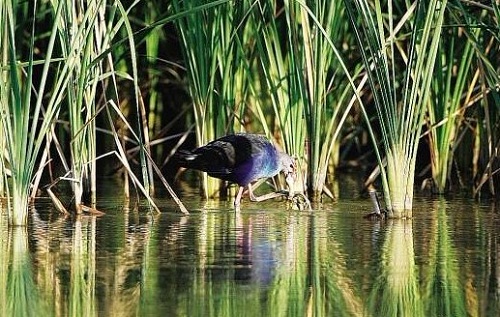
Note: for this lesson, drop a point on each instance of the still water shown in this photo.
(263, 261)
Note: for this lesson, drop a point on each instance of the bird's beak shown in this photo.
(290, 181)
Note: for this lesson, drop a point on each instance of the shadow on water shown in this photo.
(263, 261)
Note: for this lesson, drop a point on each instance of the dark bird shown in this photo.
(241, 158)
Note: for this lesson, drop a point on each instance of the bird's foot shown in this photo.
(267, 196)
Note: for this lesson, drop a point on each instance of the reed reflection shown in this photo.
(19, 295)
(82, 298)
(442, 291)
(263, 265)
(396, 291)
(257, 263)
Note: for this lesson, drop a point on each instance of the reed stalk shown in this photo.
(214, 57)
(400, 108)
(24, 123)
(484, 18)
(308, 83)
(285, 89)
(81, 41)
(155, 103)
(451, 88)
(327, 88)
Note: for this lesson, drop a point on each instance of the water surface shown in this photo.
(264, 261)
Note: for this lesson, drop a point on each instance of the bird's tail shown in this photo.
(186, 158)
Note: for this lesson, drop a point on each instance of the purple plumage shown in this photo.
(240, 158)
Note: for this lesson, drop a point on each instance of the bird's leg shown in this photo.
(264, 197)
(237, 200)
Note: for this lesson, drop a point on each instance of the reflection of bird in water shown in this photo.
(241, 158)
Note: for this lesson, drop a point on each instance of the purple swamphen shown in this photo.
(241, 158)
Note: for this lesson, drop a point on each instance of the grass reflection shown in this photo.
(396, 292)
(4, 260)
(256, 263)
(19, 294)
(82, 300)
(442, 290)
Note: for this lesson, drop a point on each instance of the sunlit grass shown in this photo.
(25, 124)
(400, 108)
(308, 83)
(215, 60)
(451, 89)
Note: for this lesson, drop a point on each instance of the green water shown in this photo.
(264, 261)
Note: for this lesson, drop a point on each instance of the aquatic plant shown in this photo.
(283, 91)
(307, 85)
(210, 33)
(482, 26)
(400, 108)
(81, 42)
(80, 82)
(449, 99)
(465, 84)
(25, 123)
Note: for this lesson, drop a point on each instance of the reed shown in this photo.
(153, 40)
(464, 86)
(451, 90)
(81, 81)
(306, 83)
(282, 88)
(81, 41)
(327, 88)
(482, 26)
(211, 33)
(25, 124)
(400, 108)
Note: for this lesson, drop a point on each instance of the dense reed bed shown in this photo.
(127, 82)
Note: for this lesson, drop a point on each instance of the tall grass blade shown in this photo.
(215, 60)
(447, 104)
(24, 125)
(400, 109)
